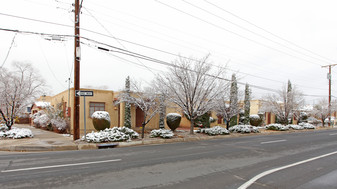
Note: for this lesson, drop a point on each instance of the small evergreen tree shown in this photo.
(162, 112)
(247, 104)
(233, 100)
(127, 112)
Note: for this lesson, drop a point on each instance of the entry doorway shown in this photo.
(139, 117)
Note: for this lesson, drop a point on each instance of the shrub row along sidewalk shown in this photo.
(49, 141)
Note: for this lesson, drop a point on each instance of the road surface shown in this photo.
(288, 160)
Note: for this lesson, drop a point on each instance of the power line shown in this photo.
(292, 43)
(9, 50)
(35, 20)
(234, 33)
(126, 52)
(255, 33)
(48, 22)
(113, 35)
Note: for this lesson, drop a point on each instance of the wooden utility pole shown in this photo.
(77, 57)
(329, 78)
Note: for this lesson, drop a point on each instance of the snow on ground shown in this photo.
(15, 133)
(115, 134)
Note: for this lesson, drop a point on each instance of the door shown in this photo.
(139, 117)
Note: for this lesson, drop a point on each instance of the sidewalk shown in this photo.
(49, 141)
(42, 141)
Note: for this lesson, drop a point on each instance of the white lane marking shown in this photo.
(56, 166)
(333, 134)
(252, 180)
(274, 141)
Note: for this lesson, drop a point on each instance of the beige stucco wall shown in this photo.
(117, 111)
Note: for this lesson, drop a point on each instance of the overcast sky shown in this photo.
(266, 42)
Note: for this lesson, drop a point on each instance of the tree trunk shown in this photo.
(8, 122)
(143, 129)
(192, 127)
(227, 124)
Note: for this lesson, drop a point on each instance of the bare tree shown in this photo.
(193, 86)
(144, 98)
(284, 103)
(321, 109)
(18, 88)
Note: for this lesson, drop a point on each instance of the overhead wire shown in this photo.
(236, 34)
(9, 50)
(126, 52)
(113, 36)
(255, 33)
(233, 60)
(144, 57)
(64, 25)
(277, 36)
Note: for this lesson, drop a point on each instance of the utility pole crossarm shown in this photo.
(329, 65)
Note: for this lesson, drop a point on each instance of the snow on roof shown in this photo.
(42, 104)
(307, 107)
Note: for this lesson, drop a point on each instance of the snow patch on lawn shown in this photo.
(15, 133)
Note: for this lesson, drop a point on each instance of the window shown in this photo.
(96, 106)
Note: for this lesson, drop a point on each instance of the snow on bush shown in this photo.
(163, 133)
(277, 127)
(307, 126)
(59, 123)
(243, 129)
(15, 133)
(217, 130)
(115, 134)
(296, 127)
(101, 115)
(41, 119)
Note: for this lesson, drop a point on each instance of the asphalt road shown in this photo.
(296, 160)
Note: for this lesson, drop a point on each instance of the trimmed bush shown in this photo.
(277, 127)
(217, 130)
(163, 133)
(173, 120)
(296, 127)
(307, 126)
(244, 129)
(15, 133)
(101, 120)
(255, 120)
(115, 134)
